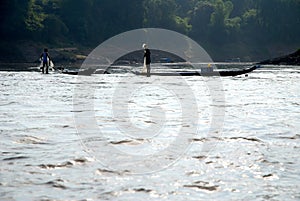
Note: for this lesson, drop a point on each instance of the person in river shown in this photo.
(147, 59)
(45, 58)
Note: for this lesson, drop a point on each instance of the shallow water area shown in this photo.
(254, 156)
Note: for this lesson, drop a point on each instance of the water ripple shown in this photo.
(255, 157)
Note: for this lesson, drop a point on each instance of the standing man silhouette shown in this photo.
(147, 59)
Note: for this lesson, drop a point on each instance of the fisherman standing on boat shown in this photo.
(147, 59)
(45, 58)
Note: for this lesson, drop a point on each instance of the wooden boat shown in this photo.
(199, 73)
(179, 73)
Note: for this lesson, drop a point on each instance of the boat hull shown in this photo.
(182, 73)
(198, 73)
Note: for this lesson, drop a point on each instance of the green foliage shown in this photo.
(164, 14)
(233, 23)
(35, 16)
(249, 15)
(159, 13)
(89, 22)
(221, 13)
(182, 24)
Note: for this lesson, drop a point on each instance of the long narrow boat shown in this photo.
(198, 73)
(179, 73)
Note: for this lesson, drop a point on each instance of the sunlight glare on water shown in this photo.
(256, 157)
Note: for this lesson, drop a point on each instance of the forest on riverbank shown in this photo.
(248, 29)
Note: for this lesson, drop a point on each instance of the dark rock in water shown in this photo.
(202, 186)
(15, 158)
(291, 59)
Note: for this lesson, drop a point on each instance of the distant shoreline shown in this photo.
(26, 54)
(290, 59)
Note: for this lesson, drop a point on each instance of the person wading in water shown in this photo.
(46, 61)
(147, 59)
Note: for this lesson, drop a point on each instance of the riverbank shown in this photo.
(290, 59)
(29, 52)
(67, 55)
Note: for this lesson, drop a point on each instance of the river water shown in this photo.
(50, 150)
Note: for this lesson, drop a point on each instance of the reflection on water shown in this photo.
(256, 157)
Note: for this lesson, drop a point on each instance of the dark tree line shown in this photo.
(210, 22)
